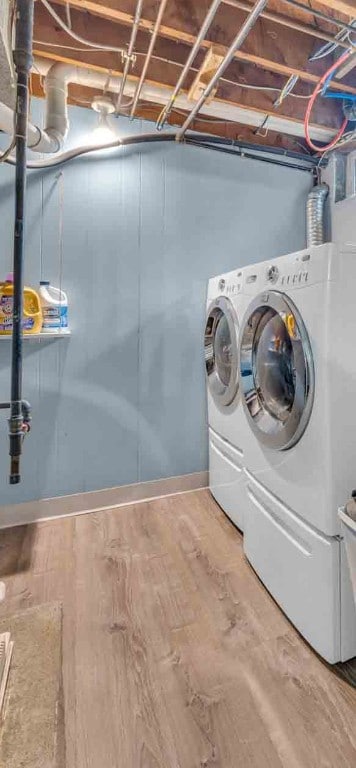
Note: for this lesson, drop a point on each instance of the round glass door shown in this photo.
(221, 352)
(276, 370)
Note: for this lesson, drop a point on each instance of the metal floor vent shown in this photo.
(6, 648)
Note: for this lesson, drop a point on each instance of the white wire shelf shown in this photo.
(49, 335)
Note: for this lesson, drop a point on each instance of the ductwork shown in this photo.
(316, 215)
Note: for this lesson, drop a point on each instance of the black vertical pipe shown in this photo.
(23, 64)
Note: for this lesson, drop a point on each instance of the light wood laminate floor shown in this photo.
(175, 656)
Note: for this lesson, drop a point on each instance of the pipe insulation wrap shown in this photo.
(316, 215)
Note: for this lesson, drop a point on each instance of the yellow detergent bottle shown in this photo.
(32, 313)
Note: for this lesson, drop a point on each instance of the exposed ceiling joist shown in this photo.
(348, 7)
(149, 111)
(252, 91)
(286, 58)
(287, 21)
(167, 63)
(263, 101)
(262, 120)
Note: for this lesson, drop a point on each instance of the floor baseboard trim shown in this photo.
(99, 501)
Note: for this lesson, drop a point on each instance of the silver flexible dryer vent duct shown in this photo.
(316, 215)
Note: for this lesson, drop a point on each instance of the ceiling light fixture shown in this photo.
(103, 133)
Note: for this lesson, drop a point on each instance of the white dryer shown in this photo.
(298, 387)
(227, 421)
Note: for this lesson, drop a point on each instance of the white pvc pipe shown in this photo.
(56, 90)
(57, 76)
(159, 94)
(51, 139)
(38, 140)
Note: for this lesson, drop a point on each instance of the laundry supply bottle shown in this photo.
(54, 305)
(32, 313)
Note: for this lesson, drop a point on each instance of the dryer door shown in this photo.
(276, 370)
(220, 343)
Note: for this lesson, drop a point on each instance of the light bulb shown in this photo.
(104, 133)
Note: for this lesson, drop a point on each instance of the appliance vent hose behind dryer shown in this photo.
(316, 215)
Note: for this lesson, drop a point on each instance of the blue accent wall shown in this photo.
(132, 238)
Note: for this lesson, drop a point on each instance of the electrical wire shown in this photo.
(325, 79)
(247, 86)
(286, 90)
(73, 34)
(320, 14)
(203, 139)
(68, 15)
(329, 48)
(5, 155)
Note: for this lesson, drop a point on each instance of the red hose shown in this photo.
(321, 82)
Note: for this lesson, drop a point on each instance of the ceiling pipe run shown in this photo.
(130, 52)
(50, 139)
(56, 90)
(161, 10)
(196, 47)
(160, 95)
(240, 38)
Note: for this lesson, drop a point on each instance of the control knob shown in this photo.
(272, 274)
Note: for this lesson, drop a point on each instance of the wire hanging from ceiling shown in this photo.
(329, 48)
(323, 82)
(73, 34)
(320, 14)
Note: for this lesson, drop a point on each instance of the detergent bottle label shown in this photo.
(6, 316)
(6, 311)
(55, 317)
(28, 323)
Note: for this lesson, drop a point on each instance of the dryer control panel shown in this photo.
(286, 273)
(229, 285)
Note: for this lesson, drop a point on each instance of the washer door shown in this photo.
(221, 361)
(276, 369)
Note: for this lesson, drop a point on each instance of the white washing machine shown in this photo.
(227, 421)
(298, 388)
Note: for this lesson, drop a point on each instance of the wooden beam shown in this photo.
(207, 70)
(166, 68)
(261, 39)
(81, 97)
(348, 7)
(289, 21)
(264, 113)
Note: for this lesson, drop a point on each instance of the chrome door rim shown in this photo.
(222, 394)
(285, 433)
